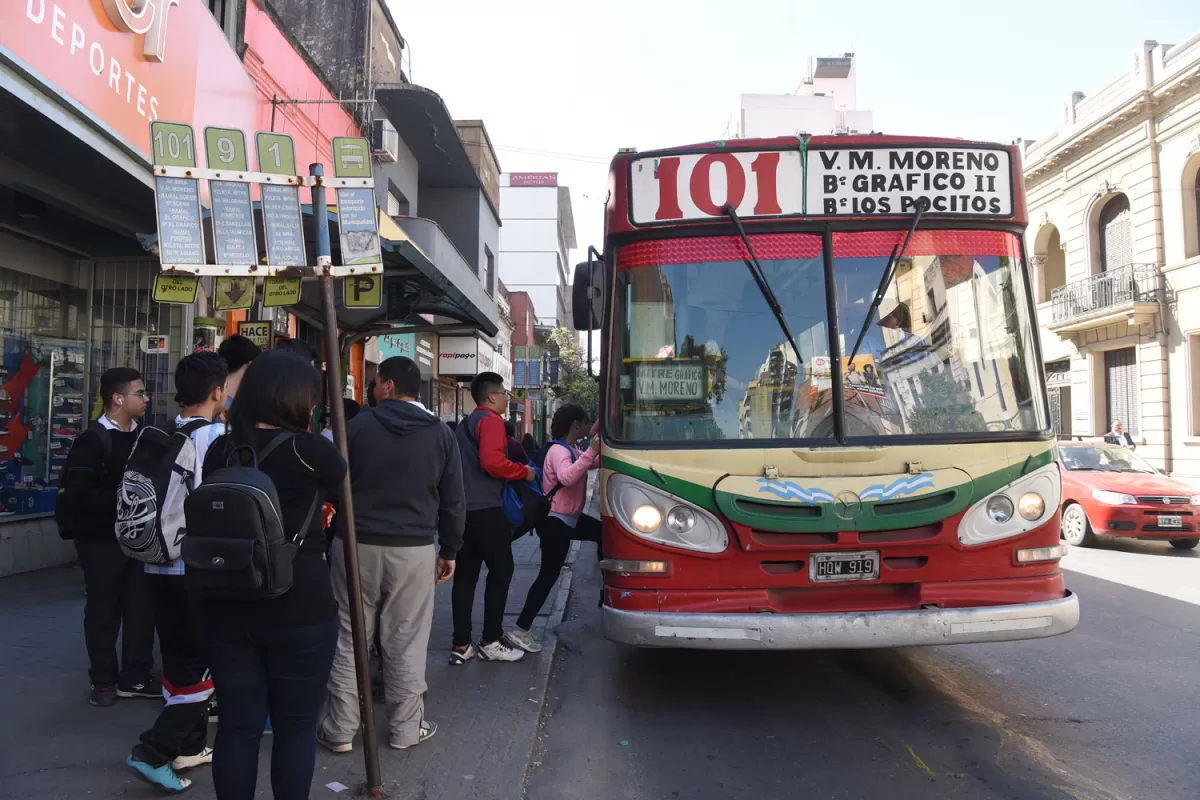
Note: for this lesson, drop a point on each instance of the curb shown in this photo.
(557, 612)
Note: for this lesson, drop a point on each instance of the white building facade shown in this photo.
(825, 102)
(1114, 243)
(536, 238)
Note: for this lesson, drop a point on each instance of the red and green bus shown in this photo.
(824, 416)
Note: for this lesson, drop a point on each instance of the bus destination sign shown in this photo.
(866, 182)
(859, 182)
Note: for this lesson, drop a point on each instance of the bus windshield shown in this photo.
(697, 354)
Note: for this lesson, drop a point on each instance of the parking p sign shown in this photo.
(257, 331)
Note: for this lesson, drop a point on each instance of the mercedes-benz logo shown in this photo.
(846, 505)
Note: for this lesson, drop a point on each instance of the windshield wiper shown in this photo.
(761, 280)
(886, 278)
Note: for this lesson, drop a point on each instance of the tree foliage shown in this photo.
(574, 383)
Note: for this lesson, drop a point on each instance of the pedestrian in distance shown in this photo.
(487, 537)
(514, 449)
(117, 601)
(529, 443)
(566, 467)
(350, 408)
(178, 739)
(271, 656)
(406, 481)
(237, 352)
(1118, 436)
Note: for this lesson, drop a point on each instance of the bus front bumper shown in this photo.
(850, 630)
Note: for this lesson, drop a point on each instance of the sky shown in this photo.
(562, 85)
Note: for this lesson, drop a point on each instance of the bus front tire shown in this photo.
(1076, 530)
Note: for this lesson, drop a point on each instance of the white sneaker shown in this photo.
(499, 651)
(524, 640)
(205, 756)
(461, 655)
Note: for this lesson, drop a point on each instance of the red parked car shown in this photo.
(1111, 490)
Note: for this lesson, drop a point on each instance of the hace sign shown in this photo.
(130, 62)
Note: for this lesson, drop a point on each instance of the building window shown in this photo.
(1116, 234)
(1194, 383)
(393, 205)
(1121, 389)
(225, 12)
(489, 275)
(1058, 387)
(44, 398)
(1196, 210)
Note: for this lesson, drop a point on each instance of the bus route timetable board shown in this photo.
(970, 181)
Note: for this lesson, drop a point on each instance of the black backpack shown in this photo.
(236, 546)
(66, 515)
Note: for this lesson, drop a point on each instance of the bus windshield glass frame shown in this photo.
(697, 359)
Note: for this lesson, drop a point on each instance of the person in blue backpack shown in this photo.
(566, 467)
(487, 537)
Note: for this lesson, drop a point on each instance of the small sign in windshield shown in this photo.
(670, 382)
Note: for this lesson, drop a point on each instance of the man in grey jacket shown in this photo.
(407, 486)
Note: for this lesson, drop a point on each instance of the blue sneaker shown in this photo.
(268, 730)
(163, 777)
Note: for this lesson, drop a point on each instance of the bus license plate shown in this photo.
(830, 567)
(1170, 522)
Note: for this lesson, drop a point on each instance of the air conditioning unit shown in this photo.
(384, 140)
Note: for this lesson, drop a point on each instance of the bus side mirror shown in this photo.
(587, 296)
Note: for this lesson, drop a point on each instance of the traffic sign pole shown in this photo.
(333, 374)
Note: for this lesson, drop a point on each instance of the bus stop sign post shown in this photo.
(333, 374)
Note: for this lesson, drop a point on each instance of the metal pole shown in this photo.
(333, 375)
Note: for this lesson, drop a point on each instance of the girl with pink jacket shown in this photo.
(566, 467)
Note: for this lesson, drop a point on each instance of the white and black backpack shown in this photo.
(157, 479)
(236, 545)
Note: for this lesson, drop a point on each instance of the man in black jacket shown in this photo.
(116, 584)
(407, 487)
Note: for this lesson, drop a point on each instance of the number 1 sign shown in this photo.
(280, 204)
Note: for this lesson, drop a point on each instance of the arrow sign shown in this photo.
(233, 293)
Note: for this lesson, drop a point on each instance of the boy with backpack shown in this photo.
(163, 468)
(487, 538)
(86, 512)
(564, 479)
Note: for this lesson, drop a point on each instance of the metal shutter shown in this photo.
(1121, 388)
(1116, 234)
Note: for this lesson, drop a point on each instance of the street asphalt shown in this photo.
(1107, 712)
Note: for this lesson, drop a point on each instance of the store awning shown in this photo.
(415, 281)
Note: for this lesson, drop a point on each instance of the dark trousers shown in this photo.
(280, 671)
(116, 603)
(182, 726)
(486, 540)
(556, 537)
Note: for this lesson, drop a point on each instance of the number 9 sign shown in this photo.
(226, 149)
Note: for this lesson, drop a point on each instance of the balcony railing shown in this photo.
(1107, 292)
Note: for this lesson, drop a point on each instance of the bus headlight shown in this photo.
(1031, 506)
(646, 519)
(643, 509)
(996, 517)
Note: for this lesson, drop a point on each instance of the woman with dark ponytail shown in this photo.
(272, 656)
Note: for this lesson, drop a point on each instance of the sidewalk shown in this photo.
(54, 745)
